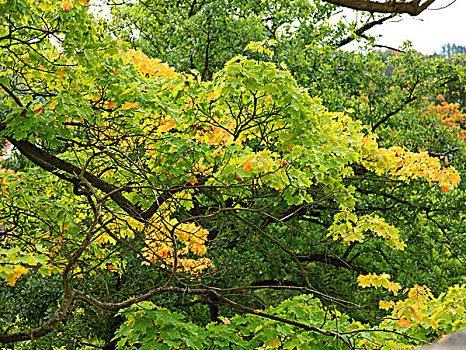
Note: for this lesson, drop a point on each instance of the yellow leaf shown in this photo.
(211, 96)
(167, 126)
(273, 343)
(247, 165)
(17, 272)
(393, 344)
(129, 105)
(394, 287)
(365, 280)
(385, 305)
(53, 105)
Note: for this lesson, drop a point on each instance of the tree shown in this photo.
(178, 197)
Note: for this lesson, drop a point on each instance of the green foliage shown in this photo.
(269, 191)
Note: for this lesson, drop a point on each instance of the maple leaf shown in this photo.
(385, 305)
(129, 105)
(394, 287)
(376, 281)
(364, 280)
(273, 343)
(167, 125)
(247, 165)
(403, 322)
(13, 276)
(66, 5)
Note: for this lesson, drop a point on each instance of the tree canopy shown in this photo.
(222, 175)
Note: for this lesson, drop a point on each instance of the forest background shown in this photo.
(223, 175)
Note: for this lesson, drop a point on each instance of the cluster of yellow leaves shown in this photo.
(194, 266)
(167, 240)
(213, 134)
(400, 163)
(261, 46)
(350, 228)
(383, 280)
(413, 309)
(164, 235)
(420, 309)
(129, 105)
(160, 244)
(151, 66)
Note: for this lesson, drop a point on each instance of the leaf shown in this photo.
(273, 343)
(66, 5)
(225, 320)
(129, 105)
(247, 166)
(385, 305)
(45, 271)
(17, 272)
(403, 322)
(53, 105)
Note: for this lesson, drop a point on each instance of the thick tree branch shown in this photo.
(51, 163)
(12, 95)
(46, 328)
(412, 8)
(68, 295)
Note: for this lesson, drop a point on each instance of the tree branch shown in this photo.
(51, 163)
(412, 8)
(46, 328)
(330, 260)
(360, 32)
